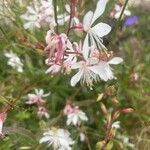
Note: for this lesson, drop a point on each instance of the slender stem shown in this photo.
(55, 14)
(71, 11)
(124, 7)
(119, 20)
(7, 39)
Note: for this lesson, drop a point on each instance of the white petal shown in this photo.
(75, 119)
(127, 12)
(67, 7)
(76, 78)
(87, 20)
(100, 8)
(41, 92)
(47, 94)
(28, 25)
(115, 60)
(101, 29)
(100, 70)
(45, 139)
(69, 120)
(86, 49)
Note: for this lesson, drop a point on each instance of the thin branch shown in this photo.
(55, 14)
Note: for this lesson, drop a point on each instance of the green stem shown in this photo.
(124, 7)
(4, 33)
(55, 14)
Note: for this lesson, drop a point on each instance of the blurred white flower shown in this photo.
(14, 61)
(126, 141)
(39, 13)
(96, 32)
(76, 117)
(116, 124)
(62, 18)
(59, 139)
(117, 12)
(37, 97)
(82, 137)
(42, 112)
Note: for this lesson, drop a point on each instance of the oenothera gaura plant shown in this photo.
(78, 52)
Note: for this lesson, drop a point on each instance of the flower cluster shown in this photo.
(90, 57)
(37, 100)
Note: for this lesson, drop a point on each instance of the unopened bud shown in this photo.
(100, 96)
(127, 110)
(115, 100)
(116, 115)
(104, 110)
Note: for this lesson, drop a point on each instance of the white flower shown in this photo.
(104, 70)
(40, 92)
(118, 10)
(59, 139)
(14, 61)
(38, 14)
(116, 124)
(85, 74)
(31, 17)
(96, 32)
(76, 117)
(37, 97)
(93, 69)
(82, 137)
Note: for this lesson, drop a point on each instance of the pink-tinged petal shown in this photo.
(115, 61)
(76, 78)
(54, 69)
(2, 120)
(86, 48)
(87, 20)
(100, 8)
(1, 127)
(101, 29)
